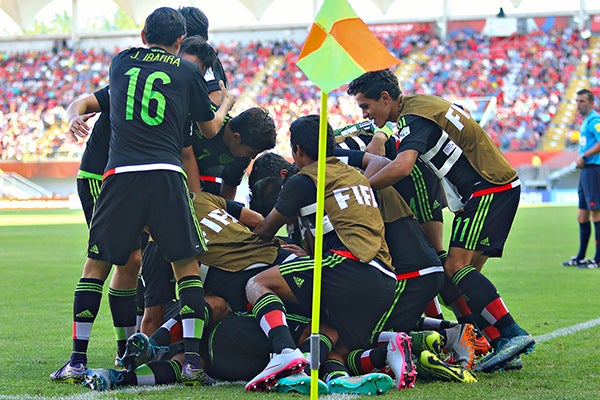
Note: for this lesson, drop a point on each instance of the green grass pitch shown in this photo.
(42, 254)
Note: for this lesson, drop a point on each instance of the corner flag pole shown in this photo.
(318, 253)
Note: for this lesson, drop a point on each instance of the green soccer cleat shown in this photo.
(368, 384)
(430, 366)
(426, 340)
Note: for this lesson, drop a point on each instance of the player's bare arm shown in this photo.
(397, 169)
(78, 114)
(210, 128)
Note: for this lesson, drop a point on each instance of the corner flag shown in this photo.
(340, 47)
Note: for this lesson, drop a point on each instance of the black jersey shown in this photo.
(215, 162)
(95, 155)
(153, 95)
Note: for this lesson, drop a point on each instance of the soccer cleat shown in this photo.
(426, 340)
(138, 351)
(513, 364)
(482, 346)
(70, 373)
(102, 379)
(575, 262)
(591, 264)
(299, 383)
(399, 358)
(193, 376)
(281, 365)
(460, 342)
(507, 349)
(430, 366)
(368, 384)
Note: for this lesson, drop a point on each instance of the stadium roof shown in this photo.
(238, 13)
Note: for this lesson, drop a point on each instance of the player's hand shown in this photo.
(78, 127)
(227, 99)
(297, 250)
(377, 144)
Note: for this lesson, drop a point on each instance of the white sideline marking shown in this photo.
(567, 331)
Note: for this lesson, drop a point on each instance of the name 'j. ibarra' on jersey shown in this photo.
(158, 57)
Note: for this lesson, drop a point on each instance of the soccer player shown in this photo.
(196, 24)
(153, 93)
(358, 282)
(481, 187)
(234, 341)
(122, 288)
(589, 180)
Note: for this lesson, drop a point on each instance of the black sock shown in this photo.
(86, 304)
(585, 230)
(191, 298)
(270, 312)
(123, 304)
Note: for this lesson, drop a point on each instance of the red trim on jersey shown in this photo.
(421, 272)
(207, 178)
(496, 189)
(345, 253)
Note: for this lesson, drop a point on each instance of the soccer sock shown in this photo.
(86, 304)
(270, 312)
(332, 369)
(140, 303)
(433, 324)
(433, 309)
(193, 316)
(157, 373)
(325, 346)
(483, 297)
(443, 256)
(597, 241)
(162, 336)
(123, 303)
(585, 230)
(453, 298)
(366, 361)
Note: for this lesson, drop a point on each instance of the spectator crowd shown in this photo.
(527, 74)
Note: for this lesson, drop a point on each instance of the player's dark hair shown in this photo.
(196, 21)
(264, 194)
(371, 84)
(588, 93)
(164, 26)
(304, 132)
(255, 127)
(197, 46)
(267, 165)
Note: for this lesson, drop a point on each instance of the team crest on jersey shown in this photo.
(225, 159)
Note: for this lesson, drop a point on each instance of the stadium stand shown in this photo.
(532, 77)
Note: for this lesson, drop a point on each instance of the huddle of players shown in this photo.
(402, 268)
